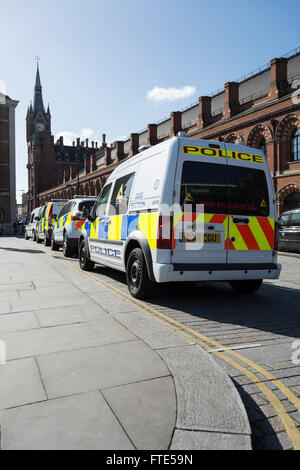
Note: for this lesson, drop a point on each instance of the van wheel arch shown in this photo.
(144, 245)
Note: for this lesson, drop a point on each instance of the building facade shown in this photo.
(8, 206)
(261, 110)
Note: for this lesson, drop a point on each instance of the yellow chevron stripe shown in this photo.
(239, 243)
(259, 234)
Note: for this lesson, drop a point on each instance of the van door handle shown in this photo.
(236, 220)
(108, 222)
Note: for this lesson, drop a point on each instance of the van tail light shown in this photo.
(276, 235)
(165, 226)
(77, 215)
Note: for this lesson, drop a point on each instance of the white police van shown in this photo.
(186, 210)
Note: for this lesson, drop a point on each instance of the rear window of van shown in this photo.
(224, 189)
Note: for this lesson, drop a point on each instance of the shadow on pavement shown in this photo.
(22, 251)
(273, 308)
(262, 433)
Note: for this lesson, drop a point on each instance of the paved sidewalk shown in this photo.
(87, 370)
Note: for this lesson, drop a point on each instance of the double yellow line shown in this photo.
(205, 342)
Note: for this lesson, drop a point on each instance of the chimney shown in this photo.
(93, 164)
(61, 140)
(107, 156)
(134, 144)
(152, 134)
(103, 140)
(96, 143)
(82, 143)
(78, 142)
(175, 123)
(86, 142)
(119, 150)
(73, 143)
(93, 144)
(279, 84)
(86, 165)
(204, 111)
(231, 99)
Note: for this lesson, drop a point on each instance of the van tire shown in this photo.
(84, 261)
(246, 287)
(67, 250)
(46, 239)
(138, 282)
(54, 246)
(38, 240)
(26, 236)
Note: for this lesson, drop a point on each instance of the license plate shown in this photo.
(192, 237)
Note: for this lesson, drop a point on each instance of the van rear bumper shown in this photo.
(215, 272)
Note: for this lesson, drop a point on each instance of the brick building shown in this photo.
(260, 110)
(8, 208)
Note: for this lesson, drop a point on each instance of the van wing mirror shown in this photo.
(37, 218)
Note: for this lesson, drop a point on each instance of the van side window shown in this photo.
(121, 194)
(283, 221)
(295, 220)
(65, 209)
(101, 203)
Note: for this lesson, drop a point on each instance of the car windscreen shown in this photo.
(86, 205)
(224, 189)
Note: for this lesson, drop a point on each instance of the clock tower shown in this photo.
(41, 156)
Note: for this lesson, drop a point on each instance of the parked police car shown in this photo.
(186, 210)
(68, 225)
(49, 212)
(31, 227)
(289, 231)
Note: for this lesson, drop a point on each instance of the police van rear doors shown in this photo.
(250, 205)
(200, 220)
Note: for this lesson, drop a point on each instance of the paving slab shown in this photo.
(20, 383)
(100, 367)
(147, 411)
(87, 312)
(154, 333)
(201, 440)
(62, 338)
(13, 322)
(201, 386)
(81, 422)
(112, 303)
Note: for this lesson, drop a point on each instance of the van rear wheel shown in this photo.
(246, 287)
(138, 281)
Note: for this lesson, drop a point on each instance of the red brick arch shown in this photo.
(255, 135)
(284, 192)
(286, 127)
(234, 138)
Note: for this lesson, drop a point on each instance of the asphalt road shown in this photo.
(251, 336)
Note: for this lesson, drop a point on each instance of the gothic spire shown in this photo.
(38, 105)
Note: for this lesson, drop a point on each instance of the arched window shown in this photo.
(263, 145)
(295, 145)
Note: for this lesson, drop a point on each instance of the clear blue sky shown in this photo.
(100, 58)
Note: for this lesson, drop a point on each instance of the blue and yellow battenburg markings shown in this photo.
(122, 225)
